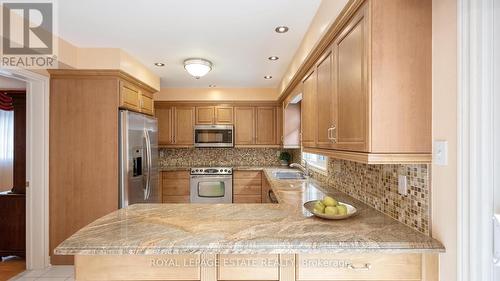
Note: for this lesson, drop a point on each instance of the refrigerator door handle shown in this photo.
(146, 188)
(150, 165)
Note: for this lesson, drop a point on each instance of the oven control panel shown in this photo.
(212, 171)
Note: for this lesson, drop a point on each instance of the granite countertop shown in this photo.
(147, 229)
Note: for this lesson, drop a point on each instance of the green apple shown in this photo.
(342, 209)
(329, 201)
(319, 205)
(331, 210)
(319, 210)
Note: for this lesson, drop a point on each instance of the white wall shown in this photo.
(444, 127)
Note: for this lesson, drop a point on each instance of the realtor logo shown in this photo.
(27, 35)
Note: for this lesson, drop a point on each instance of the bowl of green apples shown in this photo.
(331, 209)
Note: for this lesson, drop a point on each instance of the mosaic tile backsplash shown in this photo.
(195, 157)
(377, 186)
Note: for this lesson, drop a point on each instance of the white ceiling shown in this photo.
(236, 35)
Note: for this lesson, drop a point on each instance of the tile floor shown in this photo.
(53, 273)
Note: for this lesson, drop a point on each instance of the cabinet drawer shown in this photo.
(247, 199)
(248, 267)
(135, 267)
(359, 267)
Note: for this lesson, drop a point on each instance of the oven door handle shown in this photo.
(203, 178)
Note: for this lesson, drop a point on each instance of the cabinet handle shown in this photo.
(363, 267)
(334, 135)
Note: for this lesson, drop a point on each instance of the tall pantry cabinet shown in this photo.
(83, 144)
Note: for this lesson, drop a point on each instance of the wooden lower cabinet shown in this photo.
(247, 187)
(248, 267)
(279, 267)
(175, 187)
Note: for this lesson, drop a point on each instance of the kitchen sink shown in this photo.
(289, 175)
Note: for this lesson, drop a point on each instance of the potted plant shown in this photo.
(285, 158)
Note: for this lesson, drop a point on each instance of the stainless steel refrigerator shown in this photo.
(139, 175)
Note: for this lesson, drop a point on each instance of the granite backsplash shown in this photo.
(195, 157)
(377, 186)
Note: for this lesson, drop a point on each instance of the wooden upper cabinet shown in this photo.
(325, 102)
(134, 98)
(184, 119)
(244, 125)
(205, 115)
(130, 96)
(257, 125)
(224, 115)
(308, 107)
(219, 115)
(165, 125)
(351, 85)
(266, 130)
(147, 104)
(373, 96)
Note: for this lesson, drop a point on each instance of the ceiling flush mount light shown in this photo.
(281, 29)
(268, 77)
(197, 67)
(273, 58)
(212, 85)
(159, 64)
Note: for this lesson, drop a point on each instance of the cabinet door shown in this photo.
(324, 105)
(147, 104)
(309, 114)
(244, 125)
(205, 115)
(266, 125)
(165, 122)
(184, 125)
(224, 115)
(130, 96)
(351, 85)
(175, 187)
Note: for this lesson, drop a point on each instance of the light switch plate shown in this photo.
(402, 185)
(440, 153)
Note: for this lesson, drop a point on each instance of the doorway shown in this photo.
(36, 164)
(12, 177)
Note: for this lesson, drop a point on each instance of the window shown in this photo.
(6, 135)
(315, 160)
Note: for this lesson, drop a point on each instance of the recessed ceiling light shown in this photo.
(281, 29)
(268, 77)
(212, 85)
(273, 58)
(159, 64)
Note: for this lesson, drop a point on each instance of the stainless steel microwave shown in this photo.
(213, 136)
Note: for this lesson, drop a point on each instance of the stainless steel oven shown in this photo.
(213, 136)
(211, 185)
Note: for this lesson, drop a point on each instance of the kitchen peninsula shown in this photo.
(251, 242)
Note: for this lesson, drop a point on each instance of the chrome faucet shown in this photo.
(304, 168)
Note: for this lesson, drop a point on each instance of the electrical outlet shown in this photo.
(402, 185)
